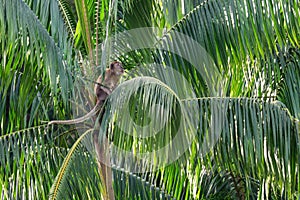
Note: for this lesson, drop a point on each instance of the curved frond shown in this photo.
(256, 141)
(59, 187)
(31, 62)
(244, 39)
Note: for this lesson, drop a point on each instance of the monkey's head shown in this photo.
(117, 68)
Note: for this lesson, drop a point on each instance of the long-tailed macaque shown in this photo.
(103, 88)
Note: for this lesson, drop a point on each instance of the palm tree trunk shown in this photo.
(103, 159)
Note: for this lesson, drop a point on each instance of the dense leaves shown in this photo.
(209, 108)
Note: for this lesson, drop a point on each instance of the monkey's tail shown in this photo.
(80, 119)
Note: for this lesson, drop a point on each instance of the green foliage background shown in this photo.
(50, 49)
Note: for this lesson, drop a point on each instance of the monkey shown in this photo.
(110, 81)
(103, 87)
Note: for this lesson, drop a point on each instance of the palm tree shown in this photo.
(209, 107)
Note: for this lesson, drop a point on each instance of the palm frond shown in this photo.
(29, 157)
(32, 60)
(253, 139)
(69, 16)
(64, 186)
(52, 21)
(219, 121)
(225, 29)
(132, 186)
(84, 12)
(289, 86)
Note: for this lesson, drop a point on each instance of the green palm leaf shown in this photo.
(215, 118)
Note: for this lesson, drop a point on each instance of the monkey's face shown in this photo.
(117, 68)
